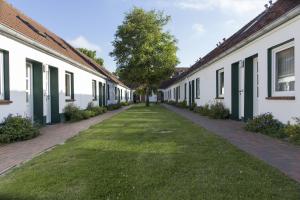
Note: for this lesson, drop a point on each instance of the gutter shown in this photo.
(12, 34)
(283, 19)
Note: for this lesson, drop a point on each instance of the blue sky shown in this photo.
(197, 24)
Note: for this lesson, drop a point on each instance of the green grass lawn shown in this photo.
(147, 153)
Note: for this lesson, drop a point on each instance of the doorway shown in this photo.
(54, 95)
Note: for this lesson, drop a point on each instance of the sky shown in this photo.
(198, 25)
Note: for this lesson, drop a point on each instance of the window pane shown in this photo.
(285, 71)
(68, 86)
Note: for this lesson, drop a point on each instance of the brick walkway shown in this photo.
(12, 155)
(279, 154)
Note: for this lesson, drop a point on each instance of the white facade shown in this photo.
(20, 53)
(283, 106)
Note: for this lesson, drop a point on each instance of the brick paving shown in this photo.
(279, 154)
(12, 155)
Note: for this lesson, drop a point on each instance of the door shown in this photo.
(235, 91)
(104, 95)
(255, 87)
(100, 94)
(37, 83)
(28, 85)
(241, 89)
(190, 94)
(54, 96)
(251, 87)
(193, 91)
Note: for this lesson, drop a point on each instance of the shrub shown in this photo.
(193, 106)
(114, 106)
(17, 128)
(72, 113)
(203, 110)
(218, 111)
(124, 104)
(293, 132)
(182, 104)
(97, 110)
(266, 124)
(86, 114)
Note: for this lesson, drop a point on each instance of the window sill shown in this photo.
(219, 97)
(290, 98)
(70, 100)
(5, 102)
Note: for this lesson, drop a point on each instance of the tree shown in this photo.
(145, 54)
(92, 54)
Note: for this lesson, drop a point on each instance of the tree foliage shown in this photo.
(92, 54)
(144, 52)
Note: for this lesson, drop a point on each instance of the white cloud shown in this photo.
(236, 6)
(199, 28)
(82, 42)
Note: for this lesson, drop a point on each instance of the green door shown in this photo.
(235, 91)
(100, 94)
(193, 91)
(104, 95)
(248, 88)
(190, 94)
(37, 73)
(54, 96)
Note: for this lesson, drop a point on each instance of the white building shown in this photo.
(253, 72)
(40, 73)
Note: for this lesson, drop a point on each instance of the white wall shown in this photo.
(18, 53)
(283, 110)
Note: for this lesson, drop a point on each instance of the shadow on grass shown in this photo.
(9, 197)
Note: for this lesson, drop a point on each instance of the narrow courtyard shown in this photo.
(146, 153)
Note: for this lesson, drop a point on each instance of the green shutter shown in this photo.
(104, 95)
(38, 107)
(6, 75)
(235, 91)
(72, 86)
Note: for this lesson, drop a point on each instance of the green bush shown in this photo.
(90, 106)
(293, 132)
(86, 114)
(72, 113)
(266, 124)
(182, 104)
(114, 106)
(97, 110)
(218, 111)
(125, 104)
(193, 106)
(203, 110)
(17, 128)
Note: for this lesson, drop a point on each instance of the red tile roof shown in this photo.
(271, 14)
(17, 21)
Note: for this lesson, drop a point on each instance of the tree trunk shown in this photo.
(147, 97)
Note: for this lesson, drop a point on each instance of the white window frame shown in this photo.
(220, 95)
(94, 90)
(1, 75)
(274, 52)
(70, 85)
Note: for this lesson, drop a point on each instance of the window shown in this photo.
(185, 87)
(1, 76)
(220, 83)
(283, 68)
(69, 85)
(198, 88)
(94, 90)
